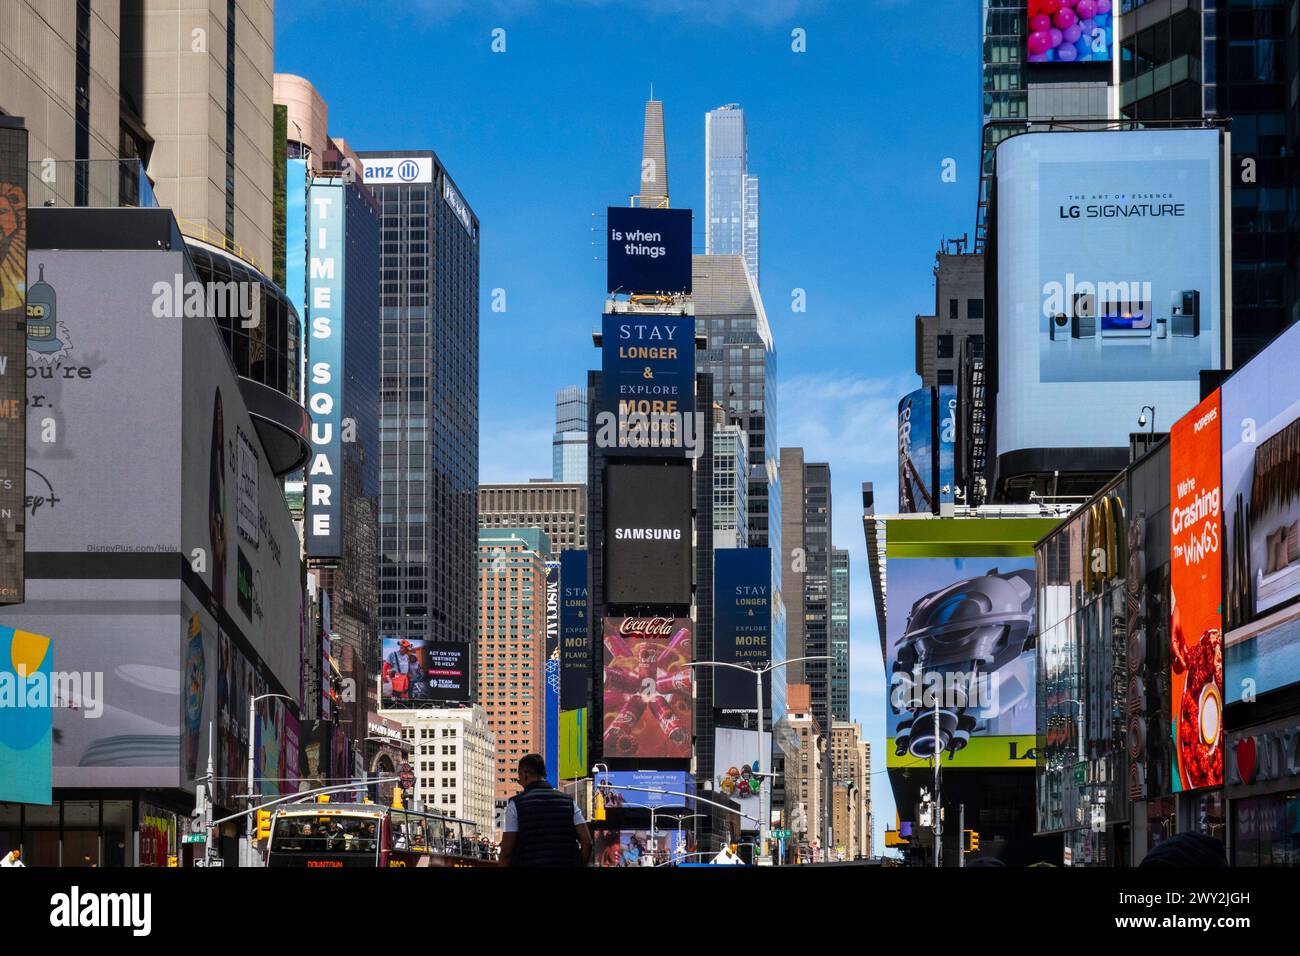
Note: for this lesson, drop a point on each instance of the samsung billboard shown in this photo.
(1109, 282)
(648, 533)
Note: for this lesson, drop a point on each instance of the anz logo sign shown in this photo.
(398, 170)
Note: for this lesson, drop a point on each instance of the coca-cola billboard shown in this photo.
(648, 696)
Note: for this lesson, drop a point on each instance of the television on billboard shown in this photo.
(742, 624)
(1196, 596)
(416, 672)
(648, 375)
(647, 687)
(916, 463)
(648, 250)
(961, 635)
(648, 533)
(1261, 504)
(1110, 262)
(1070, 31)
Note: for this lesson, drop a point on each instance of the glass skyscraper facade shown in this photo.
(569, 446)
(840, 634)
(730, 193)
(429, 272)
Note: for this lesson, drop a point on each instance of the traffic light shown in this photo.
(972, 840)
(263, 825)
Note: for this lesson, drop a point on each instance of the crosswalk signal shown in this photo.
(263, 825)
(972, 840)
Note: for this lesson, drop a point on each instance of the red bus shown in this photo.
(337, 835)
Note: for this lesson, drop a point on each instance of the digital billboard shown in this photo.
(18, 310)
(551, 697)
(575, 636)
(27, 692)
(416, 672)
(648, 250)
(1070, 31)
(647, 687)
(742, 624)
(1196, 593)
(648, 374)
(648, 533)
(624, 848)
(323, 528)
(657, 789)
(916, 462)
(573, 743)
(1261, 505)
(1110, 260)
(736, 769)
(961, 632)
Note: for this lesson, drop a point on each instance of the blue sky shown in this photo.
(848, 139)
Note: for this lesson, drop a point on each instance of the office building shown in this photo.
(806, 539)
(512, 645)
(428, 412)
(569, 446)
(207, 150)
(730, 192)
(730, 486)
(839, 634)
(559, 510)
(850, 787)
(453, 754)
(803, 772)
(1184, 61)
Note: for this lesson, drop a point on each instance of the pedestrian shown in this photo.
(543, 826)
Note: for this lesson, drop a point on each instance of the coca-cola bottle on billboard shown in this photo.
(678, 647)
(620, 734)
(677, 682)
(673, 729)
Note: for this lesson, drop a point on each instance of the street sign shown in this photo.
(194, 838)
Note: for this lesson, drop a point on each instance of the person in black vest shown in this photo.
(543, 827)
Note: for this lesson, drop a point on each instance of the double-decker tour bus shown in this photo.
(336, 835)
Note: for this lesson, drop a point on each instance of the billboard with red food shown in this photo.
(648, 697)
(1196, 586)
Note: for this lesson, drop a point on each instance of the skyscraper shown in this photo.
(806, 539)
(730, 192)
(559, 510)
(428, 399)
(840, 634)
(569, 461)
(512, 644)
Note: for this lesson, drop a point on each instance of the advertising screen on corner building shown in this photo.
(1110, 264)
(648, 533)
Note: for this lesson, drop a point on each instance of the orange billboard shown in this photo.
(1196, 586)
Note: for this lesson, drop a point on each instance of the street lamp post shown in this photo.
(252, 752)
(758, 673)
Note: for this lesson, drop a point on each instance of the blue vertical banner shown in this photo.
(27, 716)
(742, 625)
(575, 632)
(552, 716)
(323, 531)
(947, 433)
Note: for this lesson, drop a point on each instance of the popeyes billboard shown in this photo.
(1196, 586)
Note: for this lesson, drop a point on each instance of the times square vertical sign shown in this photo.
(325, 371)
(13, 356)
